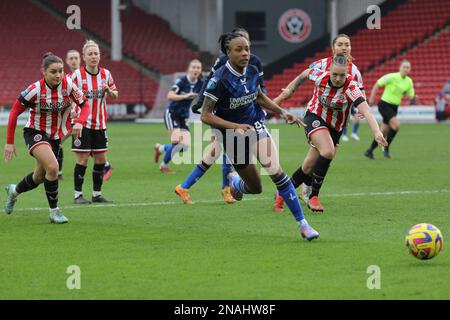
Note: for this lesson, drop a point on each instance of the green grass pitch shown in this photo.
(149, 245)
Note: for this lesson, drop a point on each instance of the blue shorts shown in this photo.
(173, 121)
(237, 146)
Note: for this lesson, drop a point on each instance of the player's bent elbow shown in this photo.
(206, 118)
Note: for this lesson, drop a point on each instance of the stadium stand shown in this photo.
(402, 36)
(40, 32)
(146, 37)
(428, 81)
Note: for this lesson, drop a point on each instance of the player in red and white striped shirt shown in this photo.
(96, 83)
(340, 45)
(327, 113)
(48, 99)
(73, 61)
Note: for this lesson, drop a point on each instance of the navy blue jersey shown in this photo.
(221, 60)
(182, 86)
(235, 94)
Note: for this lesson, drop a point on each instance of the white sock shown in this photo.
(302, 223)
(96, 193)
(54, 209)
(161, 148)
(163, 164)
(78, 193)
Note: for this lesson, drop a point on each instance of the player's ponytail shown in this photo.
(48, 58)
(88, 44)
(225, 40)
(242, 32)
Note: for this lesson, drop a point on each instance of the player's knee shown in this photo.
(328, 153)
(38, 177)
(83, 162)
(52, 168)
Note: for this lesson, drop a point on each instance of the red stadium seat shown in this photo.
(146, 37)
(40, 33)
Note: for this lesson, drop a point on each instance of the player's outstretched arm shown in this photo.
(172, 96)
(211, 119)
(267, 103)
(289, 91)
(364, 108)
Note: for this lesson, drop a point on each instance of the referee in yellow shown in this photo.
(395, 85)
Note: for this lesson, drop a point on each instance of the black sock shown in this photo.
(97, 176)
(299, 177)
(308, 180)
(203, 166)
(51, 190)
(373, 146)
(26, 184)
(60, 158)
(79, 176)
(319, 173)
(390, 136)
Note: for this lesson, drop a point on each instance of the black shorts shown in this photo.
(94, 141)
(315, 123)
(237, 146)
(34, 138)
(173, 121)
(387, 111)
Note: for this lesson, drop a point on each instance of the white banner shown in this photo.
(4, 115)
(411, 114)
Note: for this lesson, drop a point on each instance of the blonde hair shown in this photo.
(340, 59)
(88, 44)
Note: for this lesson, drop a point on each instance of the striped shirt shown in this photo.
(92, 86)
(330, 103)
(50, 107)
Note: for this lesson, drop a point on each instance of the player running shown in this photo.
(395, 85)
(327, 113)
(230, 107)
(176, 115)
(302, 177)
(97, 83)
(215, 148)
(48, 99)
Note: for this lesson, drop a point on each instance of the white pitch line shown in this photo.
(170, 203)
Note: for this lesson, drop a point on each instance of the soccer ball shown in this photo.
(424, 241)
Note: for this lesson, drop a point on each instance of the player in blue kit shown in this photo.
(214, 150)
(232, 105)
(176, 115)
